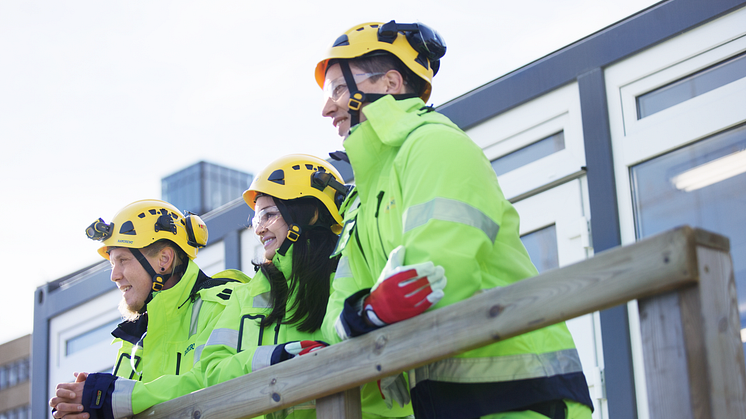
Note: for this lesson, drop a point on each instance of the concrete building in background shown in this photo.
(15, 372)
(203, 187)
(631, 131)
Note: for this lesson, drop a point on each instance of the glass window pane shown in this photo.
(91, 337)
(702, 185)
(542, 248)
(12, 374)
(530, 153)
(691, 86)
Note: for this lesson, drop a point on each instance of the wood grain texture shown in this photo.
(721, 334)
(344, 405)
(655, 265)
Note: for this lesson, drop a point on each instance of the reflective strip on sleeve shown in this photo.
(121, 398)
(194, 323)
(343, 268)
(262, 357)
(445, 209)
(224, 336)
(198, 353)
(262, 301)
(499, 368)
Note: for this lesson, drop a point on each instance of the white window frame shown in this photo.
(72, 323)
(569, 203)
(635, 141)
(549, 114)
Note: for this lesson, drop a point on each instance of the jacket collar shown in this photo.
(373, 142)
(179, 292)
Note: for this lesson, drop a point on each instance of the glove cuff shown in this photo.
(352, 315)
(96, 398)
(279, 354)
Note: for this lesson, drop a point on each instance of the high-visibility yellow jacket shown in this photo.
(238, 346)
(167, 340)
(421, 182)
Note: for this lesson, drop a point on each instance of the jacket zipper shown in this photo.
(378, 227)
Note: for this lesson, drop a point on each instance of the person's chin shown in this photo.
(128, 311)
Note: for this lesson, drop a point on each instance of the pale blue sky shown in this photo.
(100, 100)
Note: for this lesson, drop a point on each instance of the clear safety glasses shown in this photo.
(335, 89)
(265, 218)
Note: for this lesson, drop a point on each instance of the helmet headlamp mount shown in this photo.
(99, 230)
(423, 39)
(428, 45)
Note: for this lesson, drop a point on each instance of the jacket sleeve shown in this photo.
(451, 206)
(237, 344)
(141, 396)
(344, 288)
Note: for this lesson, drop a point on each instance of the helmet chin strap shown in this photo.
(159, 280)
(358, 98)
(294, 230)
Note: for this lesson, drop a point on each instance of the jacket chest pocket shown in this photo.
(387, 228)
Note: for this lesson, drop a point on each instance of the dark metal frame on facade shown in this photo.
(584, 62)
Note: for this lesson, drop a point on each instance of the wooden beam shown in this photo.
(694, 359)
(655, 265)
(344, 405)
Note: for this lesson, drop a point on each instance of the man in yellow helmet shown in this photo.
(169, 305)
(426, 207)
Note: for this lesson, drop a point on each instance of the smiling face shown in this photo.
(269, 225)
(337, 95)
(131, 279)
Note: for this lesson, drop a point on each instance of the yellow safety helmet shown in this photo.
(144, 222)
(297, 176)
(417, 46)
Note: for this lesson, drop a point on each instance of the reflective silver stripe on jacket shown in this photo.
(343, 268)
(194, 323)
(121, 398)
(262, 301)
(262, 357)
(499, 368)
(223, 336)
(445, 209)
(198, 353)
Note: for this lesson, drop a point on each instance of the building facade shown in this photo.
(633, 130)
(15, 384)
(203, 187)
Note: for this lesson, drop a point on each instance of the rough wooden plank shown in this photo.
(714, 241)
(661, 328)
(344, 405)
(722, 334)
(692, 348)
(654, 265)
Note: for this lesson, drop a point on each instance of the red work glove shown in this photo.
(290, 350)
(304, 347)
(403, 291)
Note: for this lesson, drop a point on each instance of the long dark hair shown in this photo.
(310, 276)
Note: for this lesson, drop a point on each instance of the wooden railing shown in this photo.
(690, 328)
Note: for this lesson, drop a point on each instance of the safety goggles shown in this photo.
(265, 218)
(335, 89)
